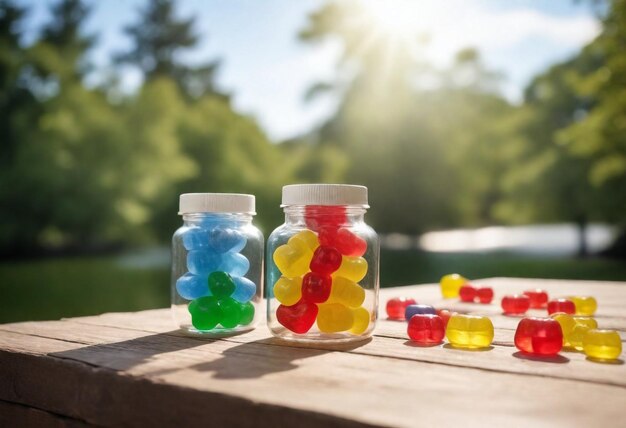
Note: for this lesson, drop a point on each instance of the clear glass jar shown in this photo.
(322, 266)
(217, 265)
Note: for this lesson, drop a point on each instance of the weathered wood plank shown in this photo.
(17, 415)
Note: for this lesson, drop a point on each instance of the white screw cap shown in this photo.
(324, 194)
(216, 203)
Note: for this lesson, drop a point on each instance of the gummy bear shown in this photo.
(334, 317)
(346, 292)
(298, 318)
(326, 260)
(352, 268)
(231, 312)
(190, 286)
(347, 242)
(205, 312)
(288, 291)
(316, 287)
(221, 284)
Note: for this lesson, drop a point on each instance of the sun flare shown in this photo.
(399, 18)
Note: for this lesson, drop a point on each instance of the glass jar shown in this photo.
(217, 265)
(322, 266)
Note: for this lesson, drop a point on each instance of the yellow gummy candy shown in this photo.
(346, 292)
(288, 290)
(602, 344)
(451, 284)
(576, 336)
(352, 268)
(469, 331)
(585, 305)
(305, 240)
(361, 321)
(292, 261)
(334, 317)
(567, 325)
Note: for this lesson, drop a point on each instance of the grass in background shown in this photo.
(56, 288)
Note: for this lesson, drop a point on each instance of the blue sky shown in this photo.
(268, 70)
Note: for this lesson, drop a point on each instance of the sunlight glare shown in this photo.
(399, 18)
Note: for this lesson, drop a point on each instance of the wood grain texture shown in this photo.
(127, 369)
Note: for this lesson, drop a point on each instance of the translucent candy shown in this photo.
(396, 307)
(411, 310)
(445, 315)
(223, 239)
(231, 312)
(316, 287)
(235, 264)
(361, 321)
(221, 284)
(585, 305)
(203, 262)
(467, 293)
(288, 291)
(574, 329)
(326, 260)
(247, 313)
(205, 312)
(318, 216)
(426, 329)
(352, 268)
(539, 336)
(244, 289)
(305, 240)
(292, 260)
(346, 292)
(190, 286)
(515, 304)
(602, 344)
(334, 317)
(469, 331)
(484, 295)
(561, 305)
(538, 298)
(451, 284)
(298, 318)
(195, 238)
(347, 242)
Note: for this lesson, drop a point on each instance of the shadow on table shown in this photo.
(558, 359)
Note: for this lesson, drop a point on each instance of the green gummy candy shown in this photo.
(205, 312)
(231, 312)
(247, 313)
(221, 284)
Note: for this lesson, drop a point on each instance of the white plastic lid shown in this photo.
(324, 194)
(216, 203)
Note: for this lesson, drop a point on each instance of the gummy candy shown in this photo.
(247, 313)
(352, 268)
(585, 305)
(191, 286)
(202, 262)
(602, 344)
(538, 298)
(334, 317)
(361, 321)
(244, 289)
(515, 304)
(539, 336)
(305, 240)
(574, 329)
(316, 287)
(205, 312)
(348, 243)
(485, 295)
(445, 315)
(235, 264)
(451, 284)
(222, 239)
(317, 216)
(221, 284)
(292, 261)
(346, 292)
(467, 293)
(469, 331)
(561, 305)
(195, 238)
(231, 312)
(396, 306)
(426, 329)
(288, 291)
(326, 260)
(411, 310)
(298, 318)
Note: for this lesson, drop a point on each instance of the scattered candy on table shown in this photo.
(515, 304)
(574, 329)
(395, 307)
(451, 284)
(603, 345)
(561, 305)
(538, 298)
(411, 310)
(467, 293)
(585, 305)
(469, 331)
(426, 329)
(445, 315)
(485, 295)
(539, 336)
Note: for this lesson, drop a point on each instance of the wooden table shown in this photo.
(122, 369)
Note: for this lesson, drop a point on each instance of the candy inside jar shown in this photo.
(322, 276)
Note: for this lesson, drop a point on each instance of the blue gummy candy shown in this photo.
(411, 310)
(195, 238)
(244, 289)
(234, 263)
(190, 286)
(203, 262)
(222, 239)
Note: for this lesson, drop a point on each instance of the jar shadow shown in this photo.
(557, 359)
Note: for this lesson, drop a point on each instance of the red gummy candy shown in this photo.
(325, 260)
(316, 287)
(561, 305)
(538, 298)
(485, 294)
(539, 336)
(467, 293)
(348, 243)
(426, 329)
(445, 315)
(515, 304)
(298, 318)
(396, 307)
(318, 216)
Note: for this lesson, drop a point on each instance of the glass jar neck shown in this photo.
(196, 219)
(340, 215)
